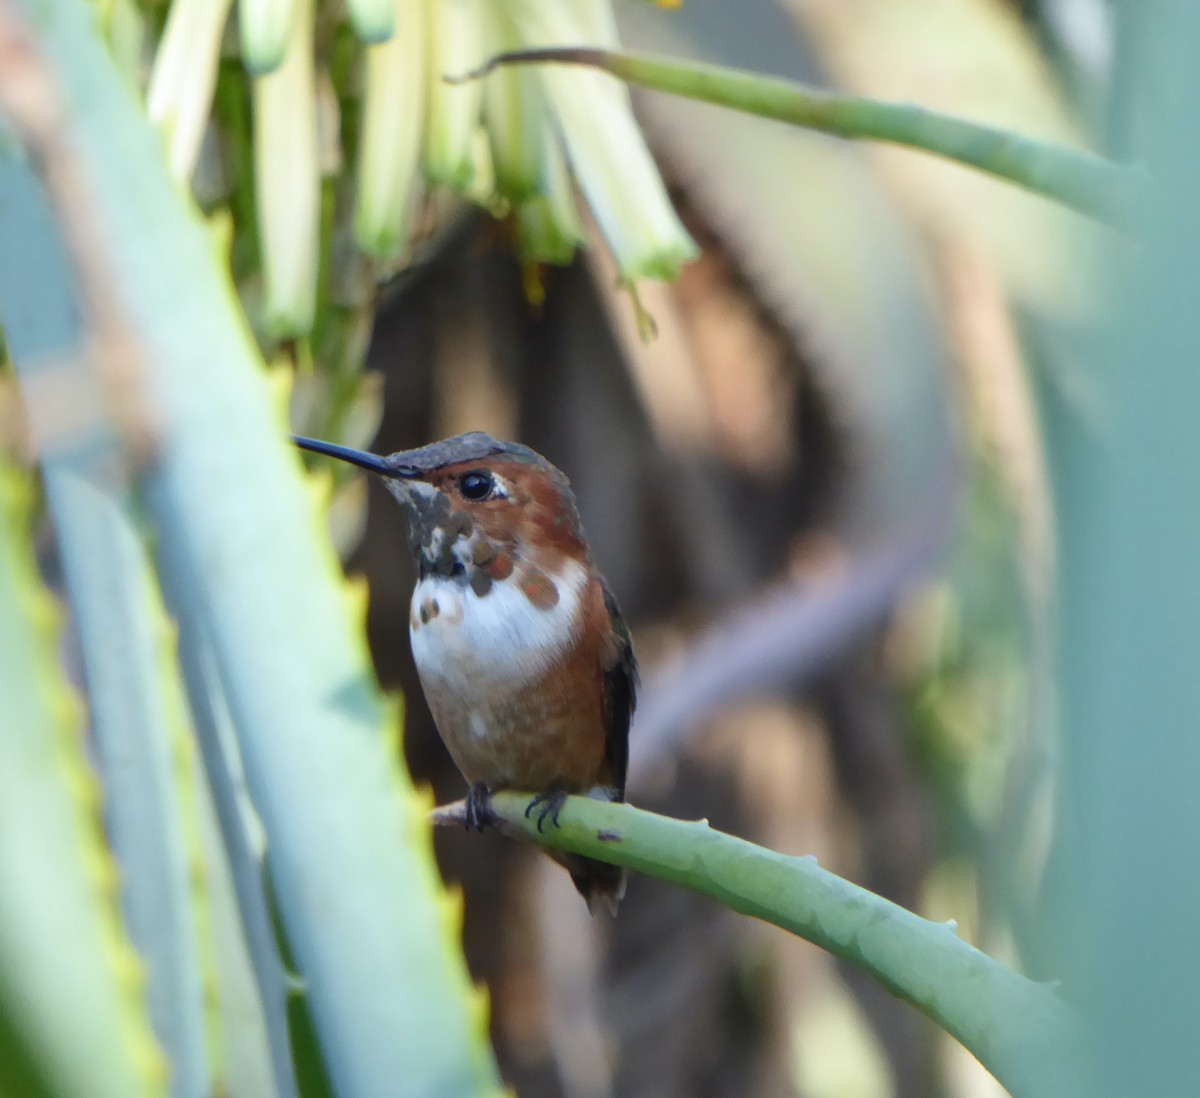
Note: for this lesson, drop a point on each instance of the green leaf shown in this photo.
(348, 846)
(138, 724)
(72, 1019)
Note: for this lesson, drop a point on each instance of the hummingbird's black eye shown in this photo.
(476, 485)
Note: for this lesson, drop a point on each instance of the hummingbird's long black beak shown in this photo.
(362, 458)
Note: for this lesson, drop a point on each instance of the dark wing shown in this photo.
(620, 694)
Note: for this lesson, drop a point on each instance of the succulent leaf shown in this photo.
(73, 1018)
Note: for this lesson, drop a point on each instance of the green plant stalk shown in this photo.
(1019, 1030)
(1081, 180)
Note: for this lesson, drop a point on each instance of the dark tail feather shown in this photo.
(598, 882)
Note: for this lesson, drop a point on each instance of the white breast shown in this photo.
(477, 645)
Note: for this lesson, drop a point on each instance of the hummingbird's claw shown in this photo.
(548, 804)
(479, 812)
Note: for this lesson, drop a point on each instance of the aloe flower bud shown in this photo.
(515, 116)
(265, 28)
(609, 158)
(287, 182)
(390, 142)
(457, 46)
(182, 80)
(524, 141)
(548, 223)
(372, 20)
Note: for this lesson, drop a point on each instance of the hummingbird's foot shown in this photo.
(479, 808)
(548, 804)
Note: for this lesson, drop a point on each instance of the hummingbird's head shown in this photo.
(478, 509)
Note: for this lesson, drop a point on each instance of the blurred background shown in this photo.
(813, 470)
(819, 495)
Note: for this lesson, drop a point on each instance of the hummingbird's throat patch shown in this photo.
(491, 564)
(439, 536)
(450, 545)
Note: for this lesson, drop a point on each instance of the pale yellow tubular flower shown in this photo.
(265, 29)
(457, 47)
(372, 20)
(482, 188)
(287, 182)
(390, 141)
(608, 155)
(182, 80)
(549, 224)
(514, 113)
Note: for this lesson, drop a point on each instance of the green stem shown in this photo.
(1019, 1030)
(1079, 179)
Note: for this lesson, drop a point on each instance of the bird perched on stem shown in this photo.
(523, 655)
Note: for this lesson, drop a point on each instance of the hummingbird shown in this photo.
(522, 653)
